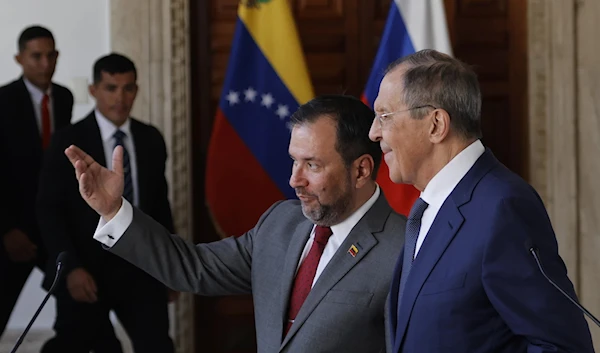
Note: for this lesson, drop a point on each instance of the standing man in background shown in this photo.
(32, 108)
(96, 280)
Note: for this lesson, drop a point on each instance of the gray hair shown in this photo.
(435, 79)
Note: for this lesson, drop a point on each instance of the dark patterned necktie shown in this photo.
(128, 182)
(413, 226)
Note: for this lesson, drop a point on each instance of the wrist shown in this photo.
(110, 215)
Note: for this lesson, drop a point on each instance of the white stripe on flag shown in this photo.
(425, 21)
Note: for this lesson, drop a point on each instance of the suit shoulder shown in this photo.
(64, 134)
(71, 131)
(502, 183)
(147, 129)
(10, 89)
(289, 210)
(62, 89)
(286, 206)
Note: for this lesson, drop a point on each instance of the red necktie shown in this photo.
(306, 273)
(46, 127)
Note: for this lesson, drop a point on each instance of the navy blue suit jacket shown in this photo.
(474, 286)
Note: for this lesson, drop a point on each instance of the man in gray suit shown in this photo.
(319, 269)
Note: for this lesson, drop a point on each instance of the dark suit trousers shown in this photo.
(13, 276)
(139, 303)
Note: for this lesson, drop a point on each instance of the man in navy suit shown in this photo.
(466, 281)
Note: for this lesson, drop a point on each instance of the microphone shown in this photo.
(534, 251)
(60, 263)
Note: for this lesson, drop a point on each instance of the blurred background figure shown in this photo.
(32, 108)
(96, 281)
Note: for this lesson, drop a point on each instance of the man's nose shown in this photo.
(375, 131)
(297, 179)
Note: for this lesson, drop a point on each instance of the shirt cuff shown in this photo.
(108, 233)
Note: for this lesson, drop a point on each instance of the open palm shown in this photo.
(100, 188)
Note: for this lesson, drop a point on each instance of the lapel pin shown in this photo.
(353, 250)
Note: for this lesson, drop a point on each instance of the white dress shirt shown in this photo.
(121, 221)
(442, 185)
(37, 95)
(107, 131)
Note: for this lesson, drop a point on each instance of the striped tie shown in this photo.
(128, 182)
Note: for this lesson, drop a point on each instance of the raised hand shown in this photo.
(100, 188)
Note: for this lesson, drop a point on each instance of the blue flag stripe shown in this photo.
(258, 106)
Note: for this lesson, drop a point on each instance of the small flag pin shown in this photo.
(353, 250)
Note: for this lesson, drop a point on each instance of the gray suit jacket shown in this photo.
(344, 312)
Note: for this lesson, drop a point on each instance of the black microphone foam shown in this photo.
(61, 259)
(534, 252)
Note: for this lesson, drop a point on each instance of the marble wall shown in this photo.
(564, 124)
(154, 34)
(587, 75)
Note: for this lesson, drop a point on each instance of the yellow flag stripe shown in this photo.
(273, 29)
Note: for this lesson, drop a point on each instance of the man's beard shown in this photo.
(329, 214)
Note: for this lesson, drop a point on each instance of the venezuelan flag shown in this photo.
(248, 165)
(412, 25)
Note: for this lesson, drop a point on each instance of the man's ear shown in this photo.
(92, 90)
(440, 125)
(363, 166)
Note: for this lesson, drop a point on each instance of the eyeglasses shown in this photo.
(384, 117)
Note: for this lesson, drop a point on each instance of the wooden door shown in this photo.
(340, 39)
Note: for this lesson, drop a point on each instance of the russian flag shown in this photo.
(412, 25)
(248, 165)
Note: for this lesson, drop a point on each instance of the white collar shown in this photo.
(35, 92)
(108, 128)
(442, 184)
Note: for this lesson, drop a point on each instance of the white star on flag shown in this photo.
(233, 97)
(250, 94)
(282, 111)
(267, 100)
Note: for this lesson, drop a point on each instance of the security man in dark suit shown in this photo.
(32, 108)
(96, 280)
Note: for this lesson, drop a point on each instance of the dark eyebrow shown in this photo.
(309, 159)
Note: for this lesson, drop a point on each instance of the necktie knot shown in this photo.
(417, 210)
(45, 99)
(322, 234)
(119, 136)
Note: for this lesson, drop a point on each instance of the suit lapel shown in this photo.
(93, 139)
(28, 121)
(444, 228)
(61, 115)
(441, 233)
(297, 244)
(142, 160)
(342, 262)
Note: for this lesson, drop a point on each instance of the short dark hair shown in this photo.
(30, 33)
(113, 64)
(436, 79)
(353, 119)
